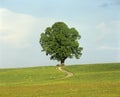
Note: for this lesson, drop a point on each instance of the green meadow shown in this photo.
(90, 80)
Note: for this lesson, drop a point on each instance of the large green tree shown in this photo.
(61, 42)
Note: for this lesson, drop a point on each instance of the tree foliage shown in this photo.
(61, 42)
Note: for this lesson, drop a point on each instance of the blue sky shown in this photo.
(22, 22)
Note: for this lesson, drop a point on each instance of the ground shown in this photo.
(94, 80)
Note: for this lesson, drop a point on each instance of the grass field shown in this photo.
(95, 80)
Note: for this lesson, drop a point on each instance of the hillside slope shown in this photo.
(97, 80)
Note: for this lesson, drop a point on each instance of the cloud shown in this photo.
(20, 30)
(104, 5)
(110, 3)
(19, 39)
(15, 27)
(103, 30)
(107, 39)
(108, 31)
(104, 47)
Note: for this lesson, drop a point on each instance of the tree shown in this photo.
(61, 42)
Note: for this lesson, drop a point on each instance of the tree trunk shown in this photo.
(62, 62)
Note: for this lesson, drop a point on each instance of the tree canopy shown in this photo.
(61, 42)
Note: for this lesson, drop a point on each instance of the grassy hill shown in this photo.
(95, 80)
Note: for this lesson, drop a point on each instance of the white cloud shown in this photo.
(18, 29)
(15, 27)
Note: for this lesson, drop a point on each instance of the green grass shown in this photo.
(94, 80)
(29, 76)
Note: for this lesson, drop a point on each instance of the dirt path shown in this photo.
(69, 74)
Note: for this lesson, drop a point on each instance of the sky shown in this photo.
(22, 22)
